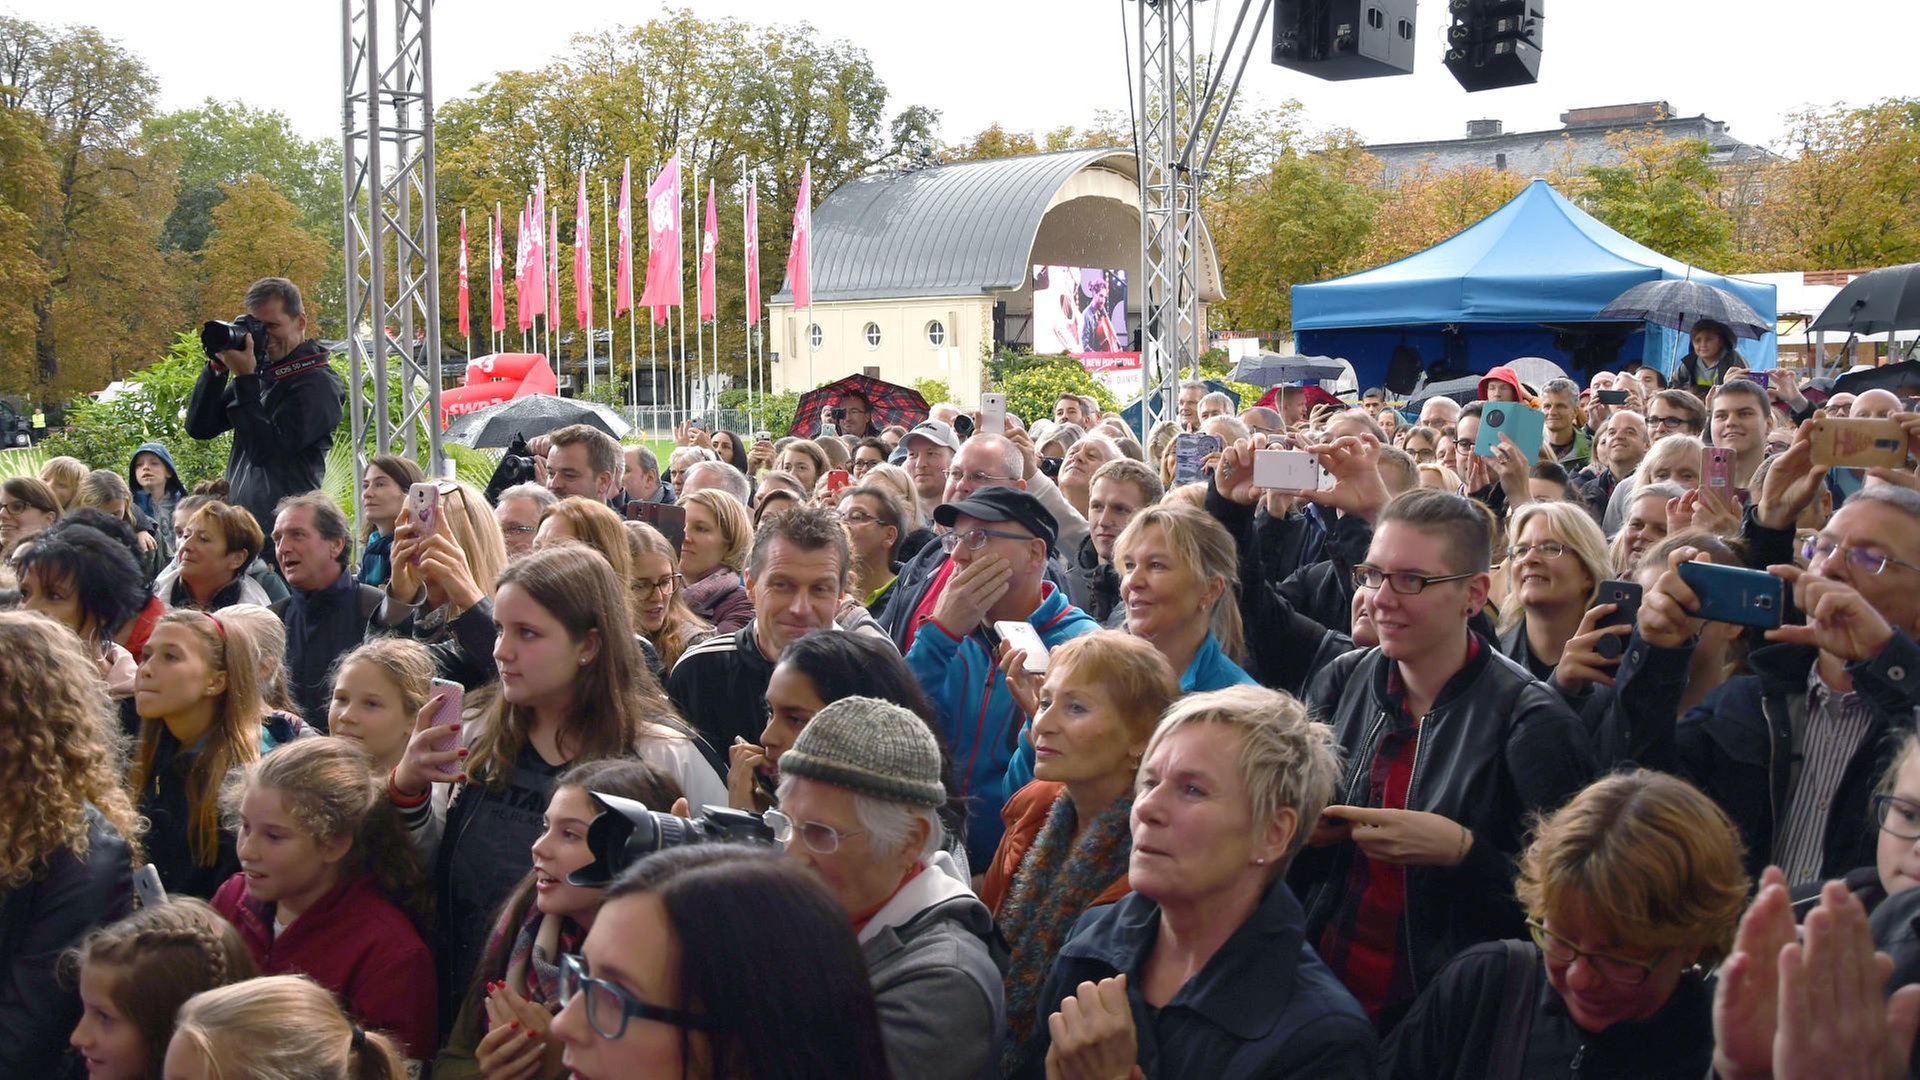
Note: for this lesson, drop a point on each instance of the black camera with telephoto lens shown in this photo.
(626, 831)
(217, 337)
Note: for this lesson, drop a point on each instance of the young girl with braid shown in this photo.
(324, 866)
(135, 974)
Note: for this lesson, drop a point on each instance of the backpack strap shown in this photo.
(1521, 987)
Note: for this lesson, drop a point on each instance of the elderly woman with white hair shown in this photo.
(859, 799)
(1205, 970)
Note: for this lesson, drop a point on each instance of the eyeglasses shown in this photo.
(1422, 455)
(16, 506)
(609, 1007)
(856, 517)
(1897, 816)
(519, 528)
(1667, 423)
(1863, 559)
(977, 538)
(1616, 969)
(860, 466)
(1548, 549)
(979, 479)
(665, 585)
(1403, 582)
(819, 839)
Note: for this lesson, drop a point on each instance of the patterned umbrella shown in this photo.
(1679, 303)
(891, 404)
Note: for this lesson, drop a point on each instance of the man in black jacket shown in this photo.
(1449, 748)
(282, 416)
(1119, 489)
(327, 612)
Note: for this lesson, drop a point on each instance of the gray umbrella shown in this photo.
(1678, 303)
(535, 414)
(1271, 369)
(1876, 302)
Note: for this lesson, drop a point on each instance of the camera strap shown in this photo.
(287, 369)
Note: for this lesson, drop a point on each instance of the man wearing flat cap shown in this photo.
(1000, 539)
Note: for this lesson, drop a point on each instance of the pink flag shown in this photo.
(465, 297)
(582, 258)
(709, 245)
(663, 240)
(623, 292)
(799, 274)
(537, 254)
(523, 258)
(753, 255)
(553, 266)
(494, 284)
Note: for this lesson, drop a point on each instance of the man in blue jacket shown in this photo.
(1000, 539)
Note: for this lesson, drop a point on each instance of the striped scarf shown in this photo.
(1059, 876)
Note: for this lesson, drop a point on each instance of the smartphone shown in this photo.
(1525, 426)
(1864, 443)
(147, 887)
(838, 480)
(671, 520)
(1717, 470)
(1610, 397)
(1288, 470)
(763, 436)
(423, 499)
(1190, 452)
(1735, 594)
(449, 711)
(697, 424)
(1764, 378)
(993, 414)
(1023, 636)
(1625, 598)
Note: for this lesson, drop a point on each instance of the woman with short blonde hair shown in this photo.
(713, 556)
(1179, 579)
(1632, 891)
(1556, 560)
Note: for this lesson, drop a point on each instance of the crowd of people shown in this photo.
(1055, 756)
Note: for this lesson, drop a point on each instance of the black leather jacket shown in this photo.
(1094, 587)
(1496, 747)
(282, 421)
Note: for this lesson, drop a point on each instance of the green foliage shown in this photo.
(934, 390)
(770, 412)
(152, 407)
(1033, 383)
(23, 461)
(1662, 195)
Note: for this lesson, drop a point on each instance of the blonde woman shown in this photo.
(918, 535)
(1179, 578)
(1556, 560)
(713, 558)
(439, 591)
(659, 591)
(66, 864)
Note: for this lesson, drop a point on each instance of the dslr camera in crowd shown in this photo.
(217, 337)
(625, 831)
(516, 467)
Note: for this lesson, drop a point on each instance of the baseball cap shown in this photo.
(936, 432)
(1002, 504)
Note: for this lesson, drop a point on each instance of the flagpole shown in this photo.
(553, 283)
(746, 328)
(580, 202)
(699, 335)
(606, 242)
(809, 198)
(681, 243)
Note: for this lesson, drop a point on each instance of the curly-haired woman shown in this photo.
(65, 832)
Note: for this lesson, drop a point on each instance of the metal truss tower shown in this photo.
(1179, 107)
(392, 242)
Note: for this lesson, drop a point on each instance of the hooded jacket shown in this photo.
(931, 956)
(161, 511)
(354, 942)
(1506, 375)
(978, 717)
(282, 419)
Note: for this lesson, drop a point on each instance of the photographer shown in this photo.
(269, 384)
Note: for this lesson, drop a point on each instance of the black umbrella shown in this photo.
(1271, 369)
(1875, 303)
(892, 404)
(1679, 303)
(535, 414)
(1902, 378)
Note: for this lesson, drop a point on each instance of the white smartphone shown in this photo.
(147, 887)
(1023, 636)
(1287, 470)
(449, 711)
(423, 499)
(993, 414)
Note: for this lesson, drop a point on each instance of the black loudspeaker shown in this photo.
(1344, 39)
(1494, 43)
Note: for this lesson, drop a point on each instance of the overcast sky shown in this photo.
(1036, 64)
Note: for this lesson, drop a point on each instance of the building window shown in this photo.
(1500, 162)
(936, 334)
(815, 336)
(873, 335)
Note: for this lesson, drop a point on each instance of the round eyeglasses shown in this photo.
(819, 839)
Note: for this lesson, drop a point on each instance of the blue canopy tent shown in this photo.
(1525, 280)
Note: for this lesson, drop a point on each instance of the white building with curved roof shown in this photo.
(921, 273)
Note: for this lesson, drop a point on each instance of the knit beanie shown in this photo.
(871, 747)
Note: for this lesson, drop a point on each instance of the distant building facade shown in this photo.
(1581, 141)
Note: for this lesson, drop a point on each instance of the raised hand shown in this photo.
(1839, 620)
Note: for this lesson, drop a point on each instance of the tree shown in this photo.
(1662, 193)
(101, 299)
(1847, 193)
(994, 142)
(1033, 383)
(1426, 207)
(254, 235)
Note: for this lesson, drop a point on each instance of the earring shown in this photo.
(1260, 861)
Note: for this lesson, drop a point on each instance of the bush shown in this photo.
(771, 412)
(1032, 385)
(934, 390)
(151, 408)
